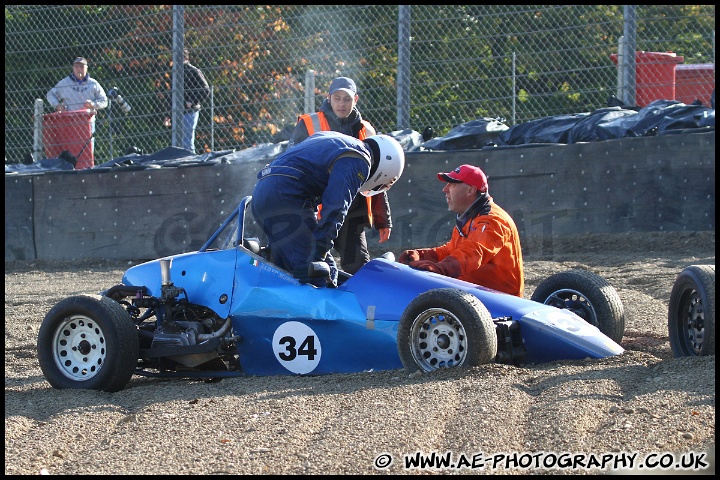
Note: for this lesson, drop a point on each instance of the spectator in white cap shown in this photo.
(484, 247)
(339, 113)
(78, 90)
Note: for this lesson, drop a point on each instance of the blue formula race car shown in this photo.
(227, 310)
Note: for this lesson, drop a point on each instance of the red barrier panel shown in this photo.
(654, 76)
(71, 131)
(694, 82)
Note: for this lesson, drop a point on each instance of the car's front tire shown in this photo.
(88, 342)
(691, 312)
(589, 296)
(445, 328)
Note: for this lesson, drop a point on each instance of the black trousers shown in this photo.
(351, 243)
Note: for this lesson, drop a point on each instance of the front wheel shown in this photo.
(445, 328)
(88, 342)
(589, 296)
(691, 312)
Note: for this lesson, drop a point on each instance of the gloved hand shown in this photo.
(318, 254)
(334, 271)
(425, 265)
(449, 266)
(408, 256)
(301, 273)
(420, 254)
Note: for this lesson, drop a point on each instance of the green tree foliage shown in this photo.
(518, 62)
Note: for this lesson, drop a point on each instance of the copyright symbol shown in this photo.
(384, 460)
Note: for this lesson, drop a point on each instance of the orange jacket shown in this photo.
(488, 252)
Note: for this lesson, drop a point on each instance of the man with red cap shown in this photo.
(484, 247)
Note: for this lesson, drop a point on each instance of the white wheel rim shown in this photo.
(438, 340)
(79, 347)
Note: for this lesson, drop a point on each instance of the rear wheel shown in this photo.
(88, 342)
(691, 312)
(445, 328)
(589, 296)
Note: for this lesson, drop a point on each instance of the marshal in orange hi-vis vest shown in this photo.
(315, 122)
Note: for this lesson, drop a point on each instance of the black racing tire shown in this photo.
(691, 312)
(589, 296)
(446, 328)
(88, 342)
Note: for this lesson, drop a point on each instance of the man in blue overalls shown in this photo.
(327, 168)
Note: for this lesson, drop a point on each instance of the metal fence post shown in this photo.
(212, 118)
(629, 33)
(110, 130)
(403, 69)
(620, 92)
(309, 91)
(38, 147)
(178, 78)
(514, 88)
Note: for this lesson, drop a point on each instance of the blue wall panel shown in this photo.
(19, 239)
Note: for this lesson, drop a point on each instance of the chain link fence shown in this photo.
(415, 66)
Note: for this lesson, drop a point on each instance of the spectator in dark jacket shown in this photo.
(197, 93)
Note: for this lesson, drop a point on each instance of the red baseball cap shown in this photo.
(468, 174)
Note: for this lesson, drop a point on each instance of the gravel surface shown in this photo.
(644, 403)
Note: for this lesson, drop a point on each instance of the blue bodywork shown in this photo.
(285, 327)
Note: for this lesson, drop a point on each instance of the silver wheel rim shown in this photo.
(438, 340)
(79, 347)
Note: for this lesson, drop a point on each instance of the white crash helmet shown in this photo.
(388, 163)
